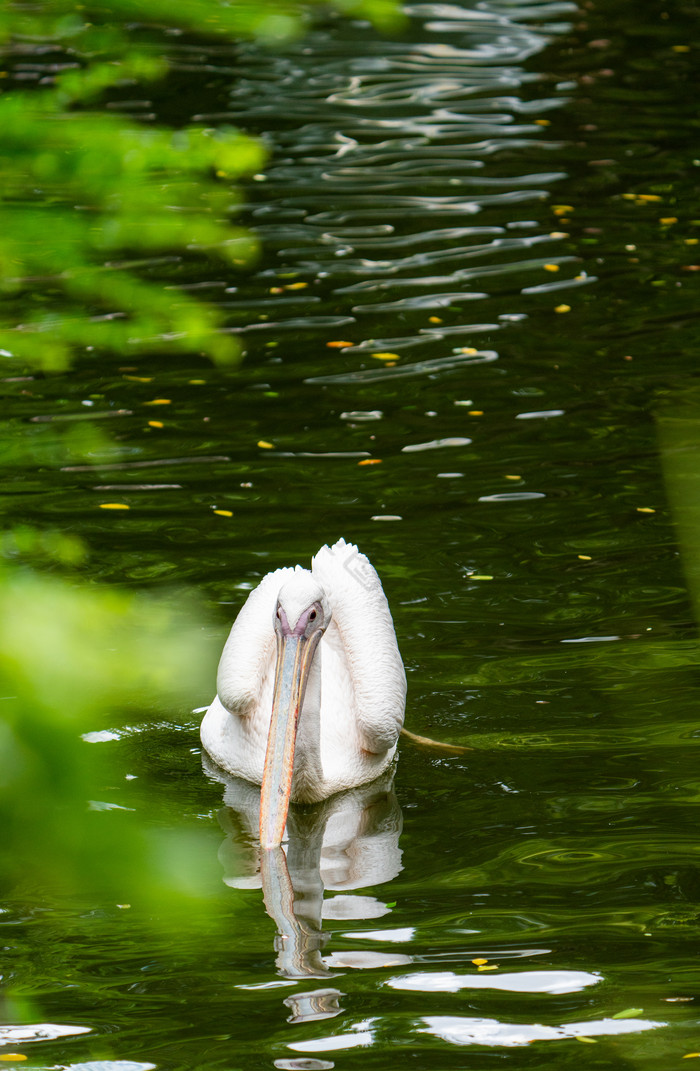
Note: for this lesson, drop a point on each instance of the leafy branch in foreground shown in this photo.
(88, 199)
(101, 189)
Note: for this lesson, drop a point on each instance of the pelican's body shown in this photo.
(318, 645)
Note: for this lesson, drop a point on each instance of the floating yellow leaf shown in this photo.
(139, 379)
(542, 122)
(114, 505)
(479, 962)
(668, 220)
(197, 382)
(681, 48)
(155, 423)
(12, 1056)
(563, 308)
(558, 234)
(650, 197)
(476, 412)
(690, 241)
(339, 345)
(562, 210)
(159, 401)
(295, 286)
(223, 512)
(507, 477)
(588, 1041)
(645, 509)
(370, 461)
(434, 320)
(387, 356)
(551, 267)
(276, 289)
(489, 967)
(265, 445)
(467, 349)
(691, 1055)
(584, 557)
(479, 576)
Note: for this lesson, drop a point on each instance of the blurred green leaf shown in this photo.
(82, 190)
(73, 659)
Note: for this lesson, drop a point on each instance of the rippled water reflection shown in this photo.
(478, 243)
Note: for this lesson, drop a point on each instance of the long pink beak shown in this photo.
(294, 657)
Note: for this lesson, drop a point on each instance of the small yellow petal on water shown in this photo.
(562, 210)
(155, 423)
(588, 1041)
(551, 267)
(295, 286)
(691, 241)
(114, 505)
(139, 379)
(387, 356)
(370, 461)
(513, 477)
(475, 412)
(339, 345)
(159, 401)
(542, 122)
(264, 445)
(434, 320)
(276, 289)
(668, 220)
(223, 512)
(558, 234)
(563, 308)
(691, 1055)
(196, 382)
(682, 48)
(584, 557)
(647, 197)
(489, 967)
(12, 1056)
(467, 349)
(479, 962)
(645, 509)
(479, 576)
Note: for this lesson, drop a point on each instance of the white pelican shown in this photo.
(311, 688)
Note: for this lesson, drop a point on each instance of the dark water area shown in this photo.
(497, 215)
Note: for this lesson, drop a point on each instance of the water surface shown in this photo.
(494, 214)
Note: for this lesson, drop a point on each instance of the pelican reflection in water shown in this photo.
(337, 847)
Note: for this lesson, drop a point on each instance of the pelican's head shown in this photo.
(302, 615)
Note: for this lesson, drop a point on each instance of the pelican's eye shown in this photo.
(312, 615)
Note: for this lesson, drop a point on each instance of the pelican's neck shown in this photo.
(307, 757)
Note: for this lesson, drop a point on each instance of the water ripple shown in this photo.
(378, 136)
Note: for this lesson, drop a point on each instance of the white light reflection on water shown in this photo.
(554, 982)
(462, 1031)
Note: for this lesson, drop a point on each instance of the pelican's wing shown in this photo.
(362, 615)
(250, 647)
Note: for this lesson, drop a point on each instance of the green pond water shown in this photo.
(505, 198)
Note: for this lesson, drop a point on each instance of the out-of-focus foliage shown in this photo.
(72, 659)
(678, 427)
(87, 197)
(81, 191)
